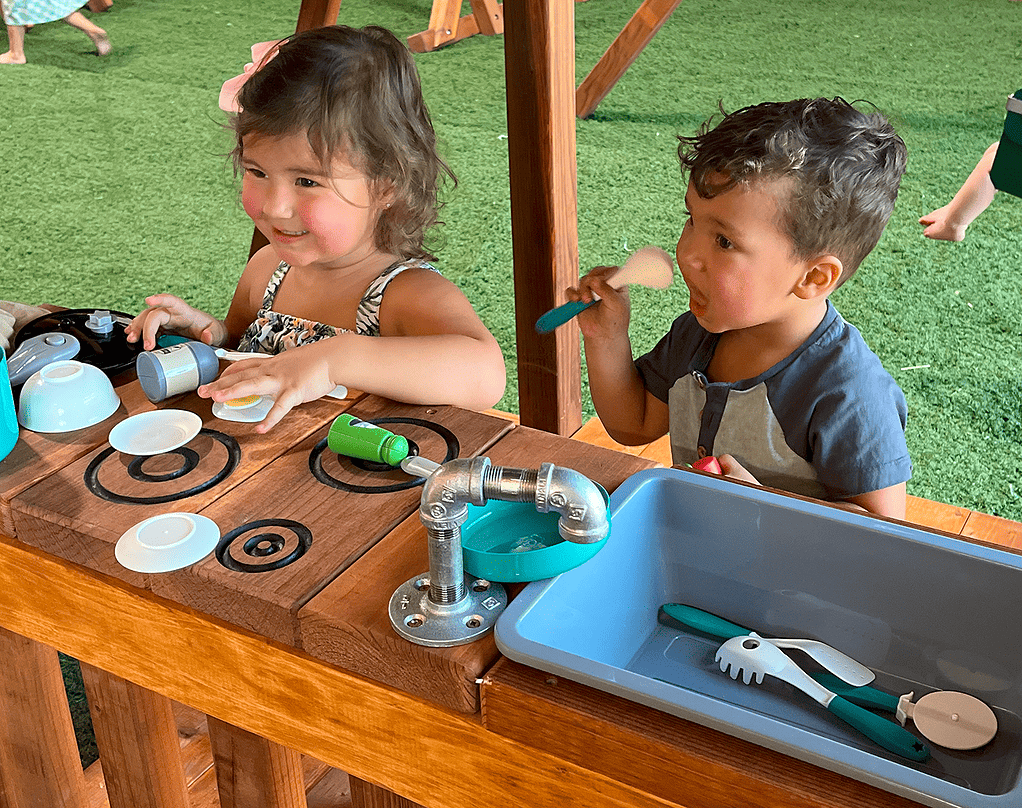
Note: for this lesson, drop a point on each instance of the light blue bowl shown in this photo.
(511, 542)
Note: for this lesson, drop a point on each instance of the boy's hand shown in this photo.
(939, 226)
(733, 469)
(170, 313)
(609, 318)
(290, 378)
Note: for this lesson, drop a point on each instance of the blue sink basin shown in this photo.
(925, 611)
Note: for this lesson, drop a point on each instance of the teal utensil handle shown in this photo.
(890, 735)
(560, 315)
(868, 697)
(702, 621)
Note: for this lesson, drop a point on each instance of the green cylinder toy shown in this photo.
(1006, 172)
(353, 437)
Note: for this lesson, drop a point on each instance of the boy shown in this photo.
(784, 202)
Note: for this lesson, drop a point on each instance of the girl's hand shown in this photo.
(167, 313)
(733, 469)
(291, 378)
(609, 318)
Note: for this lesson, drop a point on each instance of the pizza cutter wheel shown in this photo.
(950, 719)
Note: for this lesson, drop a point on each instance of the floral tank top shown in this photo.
(273, 332)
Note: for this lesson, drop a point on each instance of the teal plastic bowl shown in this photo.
(511, 542)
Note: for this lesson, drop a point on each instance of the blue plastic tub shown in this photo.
(924, 611)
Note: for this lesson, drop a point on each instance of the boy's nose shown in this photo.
(686, 254)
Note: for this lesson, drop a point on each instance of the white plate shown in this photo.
(250, 409)
(152, 433)
(167, 542)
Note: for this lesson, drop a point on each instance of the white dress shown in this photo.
(36, 12)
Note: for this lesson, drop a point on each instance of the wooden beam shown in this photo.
(539, 47)
(624, 50)
(427, 754)
(136, 735)
(39, 764)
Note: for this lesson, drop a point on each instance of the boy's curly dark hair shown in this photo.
(845, 166)
(356, 93)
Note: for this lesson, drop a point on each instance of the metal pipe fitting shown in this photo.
(447, 607)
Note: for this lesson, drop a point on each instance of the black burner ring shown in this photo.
(189, 460)
(276, 544)
(96, 487)
(316, 462)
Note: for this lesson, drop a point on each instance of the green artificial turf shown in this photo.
(115, 183)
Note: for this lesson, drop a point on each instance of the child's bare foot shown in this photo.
(102, 41)
(10, 59)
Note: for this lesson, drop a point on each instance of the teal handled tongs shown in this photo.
(838, 663)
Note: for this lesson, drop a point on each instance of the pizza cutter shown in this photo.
(945, 718)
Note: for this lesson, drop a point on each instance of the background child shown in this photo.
(977, 192)
(340, 173)
(784, 202)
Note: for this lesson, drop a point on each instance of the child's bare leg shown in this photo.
(16, 54)
(93, 31)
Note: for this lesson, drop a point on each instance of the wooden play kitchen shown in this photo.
(292, 653)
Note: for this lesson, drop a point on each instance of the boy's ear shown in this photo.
(821, 277)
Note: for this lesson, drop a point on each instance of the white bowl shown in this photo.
(65, 396)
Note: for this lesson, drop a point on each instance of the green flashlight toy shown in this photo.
(353, 437)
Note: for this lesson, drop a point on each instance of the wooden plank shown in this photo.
(674, 759)
(539, 49)
(659, 451)
(252, 772)
(489, 16)
(60, 515)
(39, 764)
(935, 515)
(593, 433)
(343, 524)
(348, 623)
(994, 530)
(136, 735)
(36, 455)
(326, 787)
(423, 752)
(624, 50)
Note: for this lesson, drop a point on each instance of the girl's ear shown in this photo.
(821, 277)
(383, 193)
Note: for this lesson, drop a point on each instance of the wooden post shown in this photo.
(539, 48)
(39, 763)
(625, 48)
(136, 735)
(252, 772)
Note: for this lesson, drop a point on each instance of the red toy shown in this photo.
(708, 463)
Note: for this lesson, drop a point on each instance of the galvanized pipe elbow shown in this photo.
(577, 499)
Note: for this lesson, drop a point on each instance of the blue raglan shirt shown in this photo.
(827, 421)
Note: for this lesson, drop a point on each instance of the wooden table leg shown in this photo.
(39, 762)
(252, 772)
(539, 49)
(625, 48)
(136, 736)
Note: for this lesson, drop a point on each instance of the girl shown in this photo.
(340, 174)
(20, 14)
